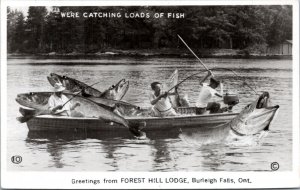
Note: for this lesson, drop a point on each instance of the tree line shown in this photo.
(203, 27)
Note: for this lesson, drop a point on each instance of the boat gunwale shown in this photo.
(138, 118)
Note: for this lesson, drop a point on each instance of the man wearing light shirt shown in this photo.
(59, 105)
(162, 106)
(207, 92)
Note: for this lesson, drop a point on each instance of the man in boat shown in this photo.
(161, 102)
(207, 92)
(59, 105)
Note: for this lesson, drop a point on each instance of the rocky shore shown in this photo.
(176, 53)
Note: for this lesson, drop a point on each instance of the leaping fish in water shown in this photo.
(253, 119)
(114, 92)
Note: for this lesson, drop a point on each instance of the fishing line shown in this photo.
(185, 80)
(244, 82)
(212, 69)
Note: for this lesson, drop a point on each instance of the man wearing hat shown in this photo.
(207, 92)
(58, 99)
(162, 106)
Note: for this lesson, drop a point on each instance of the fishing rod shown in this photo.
(185, 80)
(214, 69)
(193, 53)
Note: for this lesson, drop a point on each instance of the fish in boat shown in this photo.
(41, 100)
(73, 85)
(114, 92)
(172, 81)
(117, 91)
(121, 107)
(176, 100)
(90, 109)
(253, 119)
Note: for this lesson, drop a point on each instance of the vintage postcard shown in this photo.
(149, 95)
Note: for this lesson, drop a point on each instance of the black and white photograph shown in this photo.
(150, 90)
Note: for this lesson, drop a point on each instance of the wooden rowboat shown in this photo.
(59, 123)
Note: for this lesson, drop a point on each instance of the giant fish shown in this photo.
(121, 107)
(114, 92)
(41, 99)
(39, 102)
(253, 119)
(73, 85)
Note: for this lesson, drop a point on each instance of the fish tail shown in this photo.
(267, 127)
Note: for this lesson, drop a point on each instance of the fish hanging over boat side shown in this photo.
(253, 119)
(114, 92)
(39, 100)
(123, 108)
(88, 108)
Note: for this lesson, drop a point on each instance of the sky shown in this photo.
(24, 9)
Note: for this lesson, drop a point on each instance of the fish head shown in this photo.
(33, 99)
(54, 78)
(68, 83)
(117, 91)
(255, 117)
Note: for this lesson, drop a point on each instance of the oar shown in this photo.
(193, 53)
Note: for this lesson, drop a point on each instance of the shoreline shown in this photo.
(146, 53)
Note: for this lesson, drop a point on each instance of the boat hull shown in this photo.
(54, 123)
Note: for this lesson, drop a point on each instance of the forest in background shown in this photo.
(251, 28)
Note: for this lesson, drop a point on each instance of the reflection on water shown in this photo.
(186, 150)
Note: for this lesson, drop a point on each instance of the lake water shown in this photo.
(166, 151)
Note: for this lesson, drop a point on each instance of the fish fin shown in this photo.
(135, 129)
(236, 133)
(35, 112)
(27, 112)
(107, 107)
(267, 127)
(116, 111)
(106, 121)
(23, 119)
(84, 94)
(137, 133)
(138, 126)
